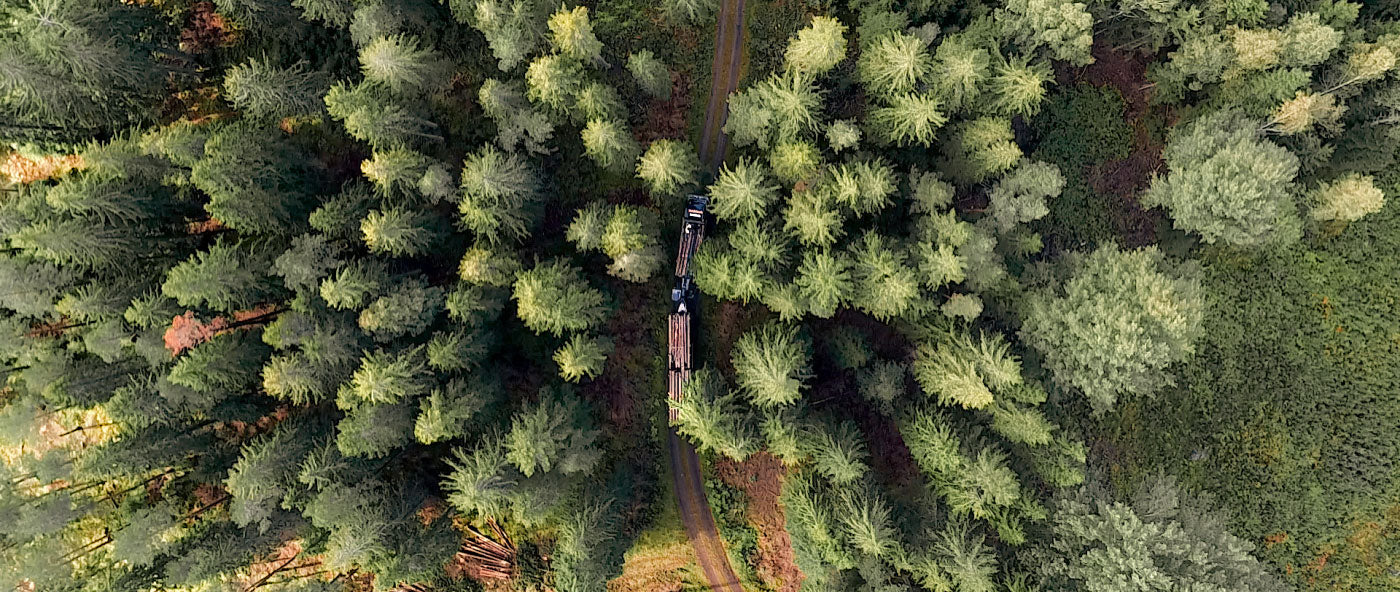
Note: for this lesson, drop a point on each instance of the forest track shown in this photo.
(729, 41)
(685, 463)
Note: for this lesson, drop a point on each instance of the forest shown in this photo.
(995, 296)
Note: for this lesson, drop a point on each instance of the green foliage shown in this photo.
(818, 47)
(893, 64)
(1119, 321)
(712, 416)
(610, 144)
(772, 364)
(403, 65)
(224, 278)
(573, 35)
(500, 195)
(1228, 184)
(980, 148)
(263, 90)
(1179, 540)
(824, 281)
(668, 166)
(555, 432)
(555, 297)
(742, 191)
(650, 73)
(584, 356)
(1062, 27)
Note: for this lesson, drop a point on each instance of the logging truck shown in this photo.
(683, 296)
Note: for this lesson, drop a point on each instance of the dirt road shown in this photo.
(729, 40)
(685, 464)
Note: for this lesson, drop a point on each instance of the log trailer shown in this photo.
(683, 294)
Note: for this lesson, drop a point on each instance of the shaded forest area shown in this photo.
(323, 295)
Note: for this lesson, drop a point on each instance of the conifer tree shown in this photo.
(1227, 183)
(1180, 542)
(838, 452)
(555, 433)
(1347, 199)
(555, 297)
(500, 195)
(817, 48)
(688, 12)
(742, 191)
(1062, 27)
(668, 166)
(712, 416)
(552, 81)
(610, 144)
(263, 90)
(1018, 86)
(650, 73)
(400, 63)
(573, 35)
(908, 119)
(772, 364)
(1117, 324)
(893, 64)
(401, 232)
(226, 277)
(824, 281)
(584, 356)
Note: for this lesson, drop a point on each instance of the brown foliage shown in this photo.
(666, 119)
(186, 331)
(761, 479)
(21, 169)
(204, 29)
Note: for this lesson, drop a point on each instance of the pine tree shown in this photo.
(893, 64)
(772, 364)
(228, 363)
(573, 35)
(610, 144)
(742, 191)
(555, 433)
(838, 452)
(825, 282)
(794, 161)
(500, 195)
(960, 71)
(908, 119)
(980, 148)
(668, 166)
(76, 70)
(712, 416)
(513, 28)
(1178, 542)
(373, 114)
(227, 277)
(584, 356)
(408, 309)
(386, 377)
(552, 81)
(256, 180)
(401, 63)
(446, 413)
(650, 73)
(517, 121)
(555, 297)
(488, 267)
(1063, 27)
(813, 217)
(263, 90)
(867, 522)
(817, 48)
(688, 12)
(401, 232)
(1018, 87)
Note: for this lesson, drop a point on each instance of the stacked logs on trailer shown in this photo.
(485, 558)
